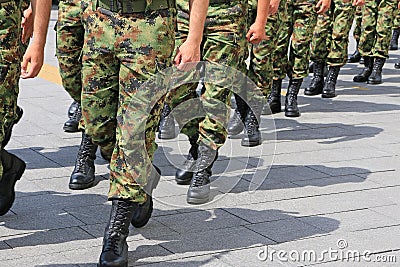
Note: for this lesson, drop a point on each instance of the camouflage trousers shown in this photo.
(263, 55)
(299, 27)
(358, 20)
(224, 44)
(10, 69)
(396, 22)
(377, 23)
(70, 33)
(331, 35)
(121, 53)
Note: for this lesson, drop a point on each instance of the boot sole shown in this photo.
(166, 136)
(312, 93)
(328, 96)
(81, 186)
(197, 201)
(17, 177)
(101, 265)
(70, 129)
(251, 144)
(374, 82)
(292, 115)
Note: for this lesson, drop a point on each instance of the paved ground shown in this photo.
(332, 192)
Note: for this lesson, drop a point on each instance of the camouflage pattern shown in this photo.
(120, 53)
(280, 54)
(396, 22)
(224, 43)
(330, 41)
(70, 33)
(10, 69)
(261, 60)
(358, 19)
(299, 27)
(376, 29)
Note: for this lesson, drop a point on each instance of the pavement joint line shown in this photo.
(374, 228)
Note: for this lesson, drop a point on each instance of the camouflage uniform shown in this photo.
(11, 53)
(330, 42)
(358, 19)
(261, 55)
(224, 42)
(377, 22)
(70, 34)
(120, 53)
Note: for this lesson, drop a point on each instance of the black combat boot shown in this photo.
(166, 129)
(115, 247)
(252, 135)
(13, 168)
(317, 82)
(291, 108)
(8, 131)
(236, 124)
(142, 214)
(397, 65)
(355, 57)
(376, 75)
(366, 72)
(72, 108)
(394, 45)
(274, 98)
(330, 82)
(184, 176)
(82, 176)
(199, 189)
(71, 125)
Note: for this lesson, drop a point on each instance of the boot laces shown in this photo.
(251, 124)
(84, 154)
(116, 227)
(76, 116)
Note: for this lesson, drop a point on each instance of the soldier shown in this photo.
(375, 38)
(302, 18)
(356, 56)
(11, 167)
(330, 45)
(396, 32)
(126, 43)
(260, 71)
(224, 44)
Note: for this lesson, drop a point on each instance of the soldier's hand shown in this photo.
(358, 2)
(273, 6)
(256, 33)
(27, 25)
(34, 56)
(188, 52)
(323, 6)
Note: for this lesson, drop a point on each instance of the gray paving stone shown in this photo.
(206, 261)
(292, 228)
(201, 220)
(392, 211)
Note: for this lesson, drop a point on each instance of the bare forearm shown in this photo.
(41, 12)
(262, 11)
(198, 14)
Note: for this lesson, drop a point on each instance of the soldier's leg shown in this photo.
(305, 19)
(280, 55)
(343, 16)
(320, 45)
(396, 31)
(70, 34)
(380, 50)
(356, 56)
(11, 167)
(367, 39)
